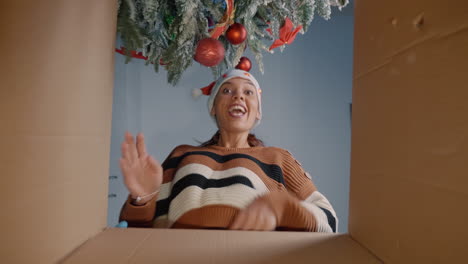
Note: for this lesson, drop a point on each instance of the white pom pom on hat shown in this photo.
(196, 93)
(205, 90)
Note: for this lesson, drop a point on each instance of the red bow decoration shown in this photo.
(134, 54)
(287, 34)
(137, 55)
(227, 20)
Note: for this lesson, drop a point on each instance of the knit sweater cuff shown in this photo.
(138, 215)
(290, 214)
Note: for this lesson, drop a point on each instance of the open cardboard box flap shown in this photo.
(409, 170)
(135, 245)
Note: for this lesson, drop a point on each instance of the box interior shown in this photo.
(409, 143)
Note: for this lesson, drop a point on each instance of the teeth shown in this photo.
(237, 107)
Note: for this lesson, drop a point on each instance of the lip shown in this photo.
(241, 105)
(235, 116)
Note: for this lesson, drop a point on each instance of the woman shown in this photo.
(229, 182)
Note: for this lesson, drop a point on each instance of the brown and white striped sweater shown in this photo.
(205, 187)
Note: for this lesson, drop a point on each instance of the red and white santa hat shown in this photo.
(213, 88)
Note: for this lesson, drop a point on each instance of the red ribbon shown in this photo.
(227, 20)
(287, 34)
(134, 54)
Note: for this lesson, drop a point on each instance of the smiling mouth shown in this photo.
(237, 111)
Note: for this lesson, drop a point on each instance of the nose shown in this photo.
(238, 95)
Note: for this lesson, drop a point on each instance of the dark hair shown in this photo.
(251, 139)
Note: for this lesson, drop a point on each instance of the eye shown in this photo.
(249, 92)
(226, 91)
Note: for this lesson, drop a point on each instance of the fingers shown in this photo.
(140, 144)
(239, 221)
(125, 153)
(156, 167)
(260, 223)
(131, 153)
(258, 216)
(124, 167)
(267, 222)
(125, 147)
(131, 150)
(251, 221)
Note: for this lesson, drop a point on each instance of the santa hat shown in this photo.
(213, 88)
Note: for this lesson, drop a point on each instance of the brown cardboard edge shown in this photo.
(140, 253)
(365, 248)
(79, 247)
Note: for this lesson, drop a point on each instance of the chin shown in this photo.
(236, 128)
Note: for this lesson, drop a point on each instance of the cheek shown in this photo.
(254, 105)
(216, 104)
(221, 99)
(256, 111)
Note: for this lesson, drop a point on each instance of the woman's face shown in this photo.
(236, 105)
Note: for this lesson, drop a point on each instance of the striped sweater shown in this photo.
(205, 187)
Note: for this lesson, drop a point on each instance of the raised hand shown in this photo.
(142, 173)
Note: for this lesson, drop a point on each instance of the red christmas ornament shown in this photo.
(236, 33)
(209, 52)
(244, 64)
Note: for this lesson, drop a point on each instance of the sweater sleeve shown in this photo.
(301, 207)
(138, 215)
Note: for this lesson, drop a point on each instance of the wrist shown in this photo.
(140, 200)
(134, 201)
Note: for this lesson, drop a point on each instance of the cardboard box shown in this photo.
(217, 246)
(408, 201)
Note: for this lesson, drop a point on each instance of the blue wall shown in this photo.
(306, 97)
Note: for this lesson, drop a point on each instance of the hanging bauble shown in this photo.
(236, 33)
(209, 52)
(244, 64)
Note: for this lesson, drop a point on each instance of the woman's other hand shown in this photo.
(142, 173)
(257, 216)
